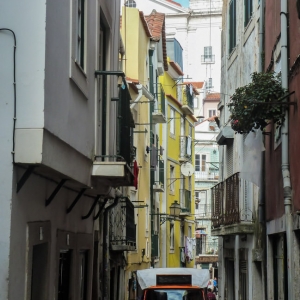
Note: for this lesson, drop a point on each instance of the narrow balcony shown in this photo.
(122, 227)
(208, 59)
(115, 169)
(229, 214)
(185, 203)
(188, 100)
(206, 175)
(159, 113)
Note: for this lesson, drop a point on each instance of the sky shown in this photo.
(184, 3)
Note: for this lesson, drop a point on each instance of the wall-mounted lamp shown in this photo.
(175, 210)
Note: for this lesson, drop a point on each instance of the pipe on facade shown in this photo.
(15, 93)
(287, 190)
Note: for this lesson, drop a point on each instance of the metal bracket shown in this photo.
(24, 178)
(59, 186)
(69, 209)
(92, 208)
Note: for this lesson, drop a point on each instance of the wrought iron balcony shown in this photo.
(122, 226)
(188, 100)
(228, 214)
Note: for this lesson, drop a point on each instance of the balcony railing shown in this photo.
(228, 207)
(206, 175)
(185, 148)
(208, 59)
(122, 226)
(185, 201)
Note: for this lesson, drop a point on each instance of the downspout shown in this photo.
(287, 190)
(151, 52)
(105, 258)
(261, 199)
(138, 98)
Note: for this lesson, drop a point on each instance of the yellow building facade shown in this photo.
(136, 43)
(178, 233)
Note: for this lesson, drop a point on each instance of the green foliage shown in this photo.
(246, 111)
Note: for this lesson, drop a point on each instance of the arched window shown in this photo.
(130, 3)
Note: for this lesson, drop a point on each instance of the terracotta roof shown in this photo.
(173, 2)
(132, 83)
(145, 25)
(196, 84)
(174, 99)
(176, 67)
(156, 24)
(136, 81)
(212, 97)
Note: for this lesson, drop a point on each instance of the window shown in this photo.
(208, 57)
(172, 180)
(211, 112)
(171, 236)
(200, 162)
(248, 7)
(209, 83)
(172, 121)
(80, 33)
(79, 40)
(207, 52)
(130, 3)
(232, 25)
(197, 162)
(203, 162)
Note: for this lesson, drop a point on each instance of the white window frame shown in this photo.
(78, 68)
(172, 178)
(212, 112)
(172, 121)
(172, 236)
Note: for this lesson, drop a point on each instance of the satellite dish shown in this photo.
(187, 169)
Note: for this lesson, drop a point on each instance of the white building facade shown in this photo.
(236, 214)
(198, 30)
(62, 162)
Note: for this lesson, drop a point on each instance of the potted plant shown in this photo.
(252, 106)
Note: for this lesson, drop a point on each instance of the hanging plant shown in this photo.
(249, 104)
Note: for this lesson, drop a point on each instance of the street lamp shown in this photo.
(175, 209)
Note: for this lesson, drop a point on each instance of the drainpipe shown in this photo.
(261, 199)
(142, 92)
(287, 190)
(138, 98)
